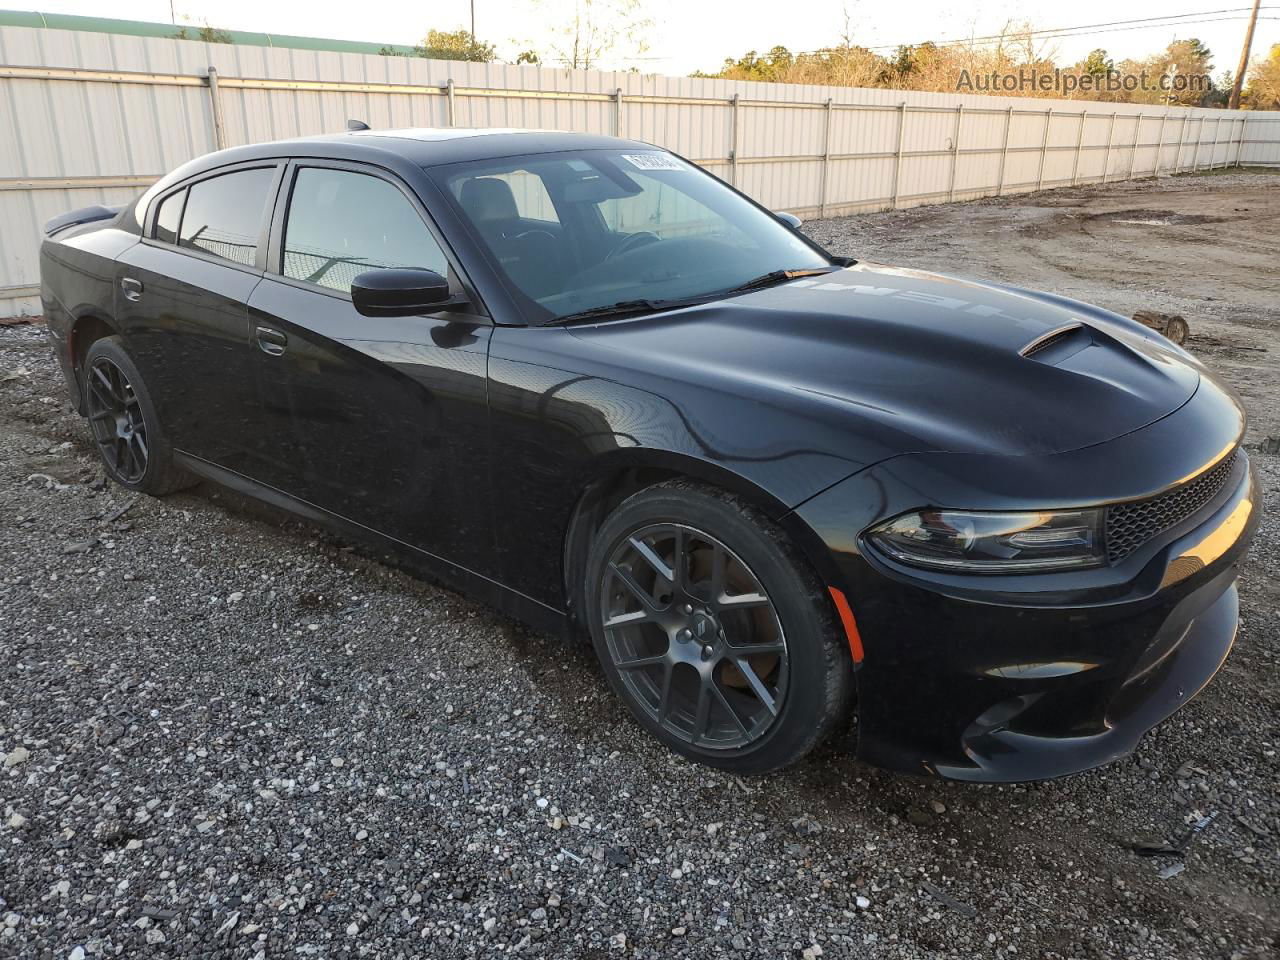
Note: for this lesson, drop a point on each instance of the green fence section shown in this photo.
(143, 28)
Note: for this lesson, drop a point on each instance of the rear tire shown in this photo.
(126, 429)
(714, 630)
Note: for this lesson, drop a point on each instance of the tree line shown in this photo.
(1181, 74)
(1013, 64)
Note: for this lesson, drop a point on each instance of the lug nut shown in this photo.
(688, 608)
(706, 652)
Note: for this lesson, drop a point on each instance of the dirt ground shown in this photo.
(226, 733)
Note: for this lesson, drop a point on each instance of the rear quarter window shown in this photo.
(168, 216)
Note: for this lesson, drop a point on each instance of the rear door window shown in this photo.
(224, 214)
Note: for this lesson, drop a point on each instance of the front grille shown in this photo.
(1130, 525)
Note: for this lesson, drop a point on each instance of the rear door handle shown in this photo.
(131, 288)
(272, 341)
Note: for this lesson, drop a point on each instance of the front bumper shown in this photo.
(1037, 676)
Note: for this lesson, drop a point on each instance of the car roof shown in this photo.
(426, 146)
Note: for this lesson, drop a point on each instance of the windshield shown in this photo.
(577, 231)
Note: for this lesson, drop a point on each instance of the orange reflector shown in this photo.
(850, 625)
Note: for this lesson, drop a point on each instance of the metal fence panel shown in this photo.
(93, 118)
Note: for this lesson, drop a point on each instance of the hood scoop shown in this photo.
(1059, 343)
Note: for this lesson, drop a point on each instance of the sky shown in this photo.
(699, 34)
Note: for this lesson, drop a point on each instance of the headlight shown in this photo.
(971, 542)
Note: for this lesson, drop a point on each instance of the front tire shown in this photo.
(126, 428)
(714, 631)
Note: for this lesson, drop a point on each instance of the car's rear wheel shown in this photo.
(713, 629)
(125, 426)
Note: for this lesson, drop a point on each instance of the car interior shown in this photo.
(571, 233)
(530, 250)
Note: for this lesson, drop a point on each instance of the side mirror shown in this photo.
(790, 219)
(402, 292)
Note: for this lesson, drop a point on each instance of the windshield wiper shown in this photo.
(779, 276)
(633, 307)
(621, 308)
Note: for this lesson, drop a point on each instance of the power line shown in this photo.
(1144, 23)
(1054, 33)
(1084, 30)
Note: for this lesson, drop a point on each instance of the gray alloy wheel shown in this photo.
(126, 428)
(694, 636)
(116, 417)
(714, 630)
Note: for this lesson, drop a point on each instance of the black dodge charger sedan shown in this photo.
(994, 531)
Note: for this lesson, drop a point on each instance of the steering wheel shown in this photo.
(633, 241)
(535, 233)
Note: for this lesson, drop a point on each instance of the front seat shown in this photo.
(520, 246)
(492, 207)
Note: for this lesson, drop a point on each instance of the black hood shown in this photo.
(927, 362)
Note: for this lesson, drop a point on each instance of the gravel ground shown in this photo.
(226, 733)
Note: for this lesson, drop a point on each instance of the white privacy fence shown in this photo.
(94, 118)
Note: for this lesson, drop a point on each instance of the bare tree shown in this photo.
(596, 30)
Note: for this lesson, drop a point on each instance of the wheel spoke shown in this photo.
(104, 397)
(142, 444)
(742, 601)
(702, 712)
(639, 663)
(107, 384)
(757, 685)
(719, 572)
(724, 702)
(625, 619)
(101, 415)
(118, 382)
(653, 559)
(664, 697)
(756, 649)
(680, 559)
(637, 591)
(131, 456)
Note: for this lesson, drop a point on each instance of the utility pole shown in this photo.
(473, 18)
(1234, 102)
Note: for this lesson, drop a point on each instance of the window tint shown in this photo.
(342, 223)
(526, 189)
(632, 225)
(224, 215)
(663, 210)
(168, 215)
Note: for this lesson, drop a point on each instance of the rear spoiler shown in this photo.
(76, 218)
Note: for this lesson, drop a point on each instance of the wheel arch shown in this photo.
(613, 478)
(87, 328)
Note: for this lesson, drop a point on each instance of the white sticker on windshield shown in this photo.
(653, 161)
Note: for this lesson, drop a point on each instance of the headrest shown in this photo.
(487, 199)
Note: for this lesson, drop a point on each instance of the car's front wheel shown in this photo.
(714, 630)
(126, 428)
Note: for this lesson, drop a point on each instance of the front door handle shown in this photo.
(131, 288)
(272, 341)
